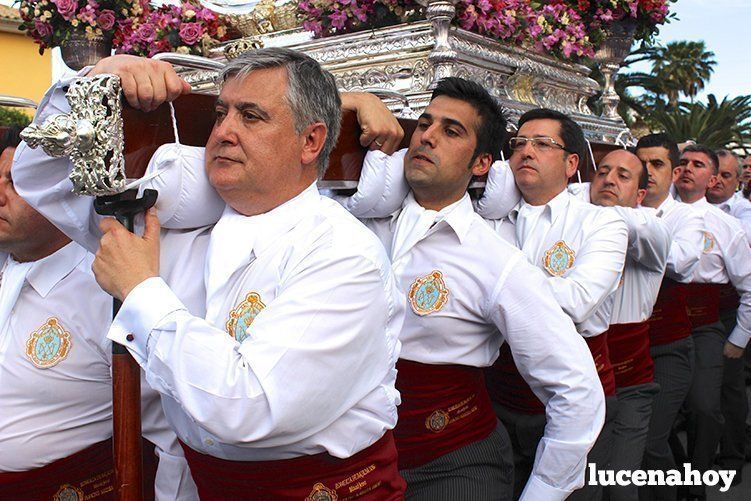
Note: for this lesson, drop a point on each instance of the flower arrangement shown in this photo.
(184, 28)
(644, 15)
(52, 22)
(556, 27)
(327, 17)
(570, 29)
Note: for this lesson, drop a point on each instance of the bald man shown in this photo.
(621, 182)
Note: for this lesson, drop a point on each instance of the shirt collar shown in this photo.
(49, 271)
(269, 226)
(458, 216)
(558, 205)
(701, 203)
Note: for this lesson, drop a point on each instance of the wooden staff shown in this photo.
(126, 374)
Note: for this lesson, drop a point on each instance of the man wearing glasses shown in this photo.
(581, 248)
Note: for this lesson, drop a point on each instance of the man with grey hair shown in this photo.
(722, 194)
(271, 335)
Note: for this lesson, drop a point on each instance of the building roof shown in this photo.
(9, 13)
(10, 19)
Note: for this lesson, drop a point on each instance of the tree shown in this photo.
(681, 68)
(12, 116)
(725, 124)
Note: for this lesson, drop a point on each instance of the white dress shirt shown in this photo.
(489, 293)
(593, 238)
(686, 228)
(488, 300)
(315, 371)
(726, 258)
(646, 259)
(56, 393)
(739, 208)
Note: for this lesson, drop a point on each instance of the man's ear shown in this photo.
(482, 164)
(677, 171)
(712, 181)
(572, 163)
(314, 137)
(640, 194)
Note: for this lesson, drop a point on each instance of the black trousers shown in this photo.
(674, 368)
(478, 471)
(734, 407)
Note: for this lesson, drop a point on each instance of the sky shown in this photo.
(725, 27)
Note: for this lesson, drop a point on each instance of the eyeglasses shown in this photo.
(538, 143)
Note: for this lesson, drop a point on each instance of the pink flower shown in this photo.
(88, 15)
(338, 19)
(44, 29)
(106, 20)
(146, 33)
(191, 33)
(66, 8)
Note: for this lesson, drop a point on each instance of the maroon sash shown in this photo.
(87, 474)
(369, 475)
(729, 298)
(703, 301)
(598, 346)
(669, 321)
(508, 388)
(444, 408)
(629, 352)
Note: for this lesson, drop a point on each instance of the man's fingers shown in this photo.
(393, 141)
(367, 136)
(109, 224)
(160, 92)
(130, 90)
(175, 85)
(144, 90)
(153, 228)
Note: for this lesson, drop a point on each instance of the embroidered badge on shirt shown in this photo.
(48, 345)
(321, 493)
(709, 242)
(428, 294)
(558, 259)
(243, 315)
(67, 492)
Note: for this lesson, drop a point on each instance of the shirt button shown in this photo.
(130, 337)
(208, 442)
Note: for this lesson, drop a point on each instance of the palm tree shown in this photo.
(725, 124)
(682, 68)
(679, 68)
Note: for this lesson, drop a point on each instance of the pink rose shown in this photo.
(44, 29)
(106, 20)
(146, 33)
(191, 33)
(66, 8)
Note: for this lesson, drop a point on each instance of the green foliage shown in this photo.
(715, 124)
(656, 100)
(13, 116)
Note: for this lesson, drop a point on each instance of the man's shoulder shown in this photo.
(717, 218)
(483, 235)
(342, 233)
(593, 216)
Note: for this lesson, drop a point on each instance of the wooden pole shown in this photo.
(126, 374)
